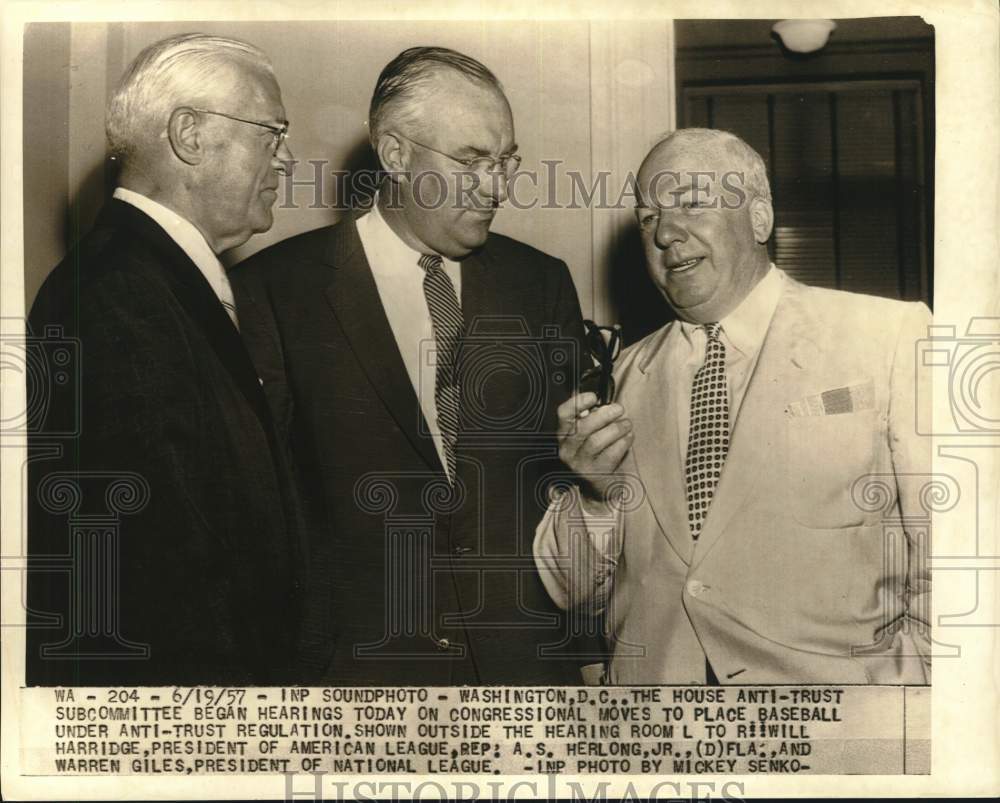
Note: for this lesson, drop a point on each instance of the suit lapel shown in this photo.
(757, 428)
(656, 449)
(196, 296)
(353, 296)
(475, 294)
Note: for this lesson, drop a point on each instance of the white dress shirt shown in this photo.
(400, 283)
(191, 242)
(743, 332)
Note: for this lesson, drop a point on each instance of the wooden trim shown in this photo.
(771, 50)
(791, 87)
(632, 103)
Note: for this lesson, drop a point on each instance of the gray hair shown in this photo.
(167, 74)
(403, 83)
(743, 158)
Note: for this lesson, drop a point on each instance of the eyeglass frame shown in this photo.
(599, 379)
(499, 161)
(279, 132)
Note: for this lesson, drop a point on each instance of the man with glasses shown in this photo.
(749, 509)
(203, 574)
(416, 361)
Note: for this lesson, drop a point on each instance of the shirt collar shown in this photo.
(746, 326)
(394, 254)
(187, 236)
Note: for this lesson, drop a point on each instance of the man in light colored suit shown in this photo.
(748, 510)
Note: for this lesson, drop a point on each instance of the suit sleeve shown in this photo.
(142, 412)
(907, 640)
(566, 311)
(575, 550)
(576, 553)
(912, 464)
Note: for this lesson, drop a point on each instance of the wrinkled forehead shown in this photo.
(674, 170)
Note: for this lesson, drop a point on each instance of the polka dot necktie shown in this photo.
(446, 318)
(708, 435)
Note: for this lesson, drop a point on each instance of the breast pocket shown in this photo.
(825, 456)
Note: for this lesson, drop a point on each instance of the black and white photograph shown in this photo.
(605, 399)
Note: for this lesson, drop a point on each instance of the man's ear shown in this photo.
(186, 140)
(392, 156)
(762, 219)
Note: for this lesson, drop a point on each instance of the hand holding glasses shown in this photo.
(595, 437)
(605, 351)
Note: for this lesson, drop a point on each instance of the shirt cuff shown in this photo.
(577, 550)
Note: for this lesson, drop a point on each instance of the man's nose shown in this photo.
(669, 231)
(493, 186)
(283, 160)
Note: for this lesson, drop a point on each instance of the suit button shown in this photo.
(696, 588)
(443, 644)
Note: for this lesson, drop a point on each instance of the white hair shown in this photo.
(173, 72)
(744, 158)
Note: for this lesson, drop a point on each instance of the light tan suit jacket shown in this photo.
(810, 567)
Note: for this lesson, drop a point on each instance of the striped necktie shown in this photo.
(231, 311)
(708, 435)
(446, 317)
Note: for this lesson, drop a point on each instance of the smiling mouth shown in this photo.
(685, 266)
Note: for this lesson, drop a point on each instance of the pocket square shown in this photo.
(836, 401)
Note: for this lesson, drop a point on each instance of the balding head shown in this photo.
(710, 144)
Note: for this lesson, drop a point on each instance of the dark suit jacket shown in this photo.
(199, 529)
(412, 584)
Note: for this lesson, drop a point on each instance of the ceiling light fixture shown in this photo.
(804, 36)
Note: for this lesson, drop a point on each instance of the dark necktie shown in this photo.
(446, 317)
(708, 436)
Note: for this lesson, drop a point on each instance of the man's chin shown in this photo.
(473, 241)
(690, 306)
(263, 222)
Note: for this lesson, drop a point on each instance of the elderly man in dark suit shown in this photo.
(416, 361)
(196, 584)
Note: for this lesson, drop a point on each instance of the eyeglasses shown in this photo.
(508, 163)
(279, 132)
(599, 379)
